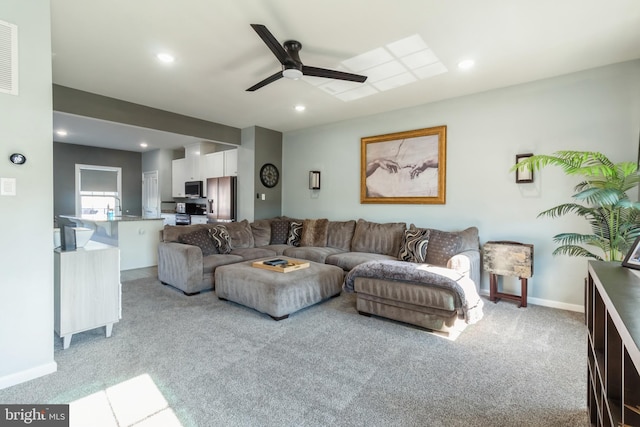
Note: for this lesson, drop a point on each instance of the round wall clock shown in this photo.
(269, 175)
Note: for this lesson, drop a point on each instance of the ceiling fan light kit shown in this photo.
(292, 66)
(291, 73)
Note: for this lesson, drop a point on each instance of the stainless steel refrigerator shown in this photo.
(221, 198)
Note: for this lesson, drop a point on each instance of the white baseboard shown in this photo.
(28, 374)
(547, 303)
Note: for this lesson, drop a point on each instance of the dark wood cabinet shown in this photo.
(612, 314)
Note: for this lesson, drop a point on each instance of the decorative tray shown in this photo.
(281, 265)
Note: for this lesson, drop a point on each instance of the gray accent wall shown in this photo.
(65, 158)
(594, 110)
(26, 253)
(268, 149)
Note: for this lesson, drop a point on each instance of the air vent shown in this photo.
(8, 58)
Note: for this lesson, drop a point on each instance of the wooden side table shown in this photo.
(506, 258)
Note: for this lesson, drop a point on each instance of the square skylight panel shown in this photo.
(361, 92)
(407, 46)
(368, 60)
(338, 86)
(394, 82)
(385, 71)
(430, 70)
(419, 59)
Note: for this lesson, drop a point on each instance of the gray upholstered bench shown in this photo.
(274, 293)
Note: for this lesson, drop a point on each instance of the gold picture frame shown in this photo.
(404, 167)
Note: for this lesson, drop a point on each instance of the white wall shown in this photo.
(596, 110)
(26, 252)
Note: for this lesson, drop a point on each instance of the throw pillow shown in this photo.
(442, 246)
(221, 238)
(240, 234)
(414, 245)
(261, 230)
(376, 238)
(201, 239)
(295, 231)
(279, 231)
(314, 232)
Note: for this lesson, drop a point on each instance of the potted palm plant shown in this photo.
(601, 199)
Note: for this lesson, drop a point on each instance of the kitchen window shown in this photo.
(98, 189)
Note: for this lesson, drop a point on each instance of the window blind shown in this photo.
(98, 180)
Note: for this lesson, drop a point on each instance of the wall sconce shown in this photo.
(523, 175)
(314, 180)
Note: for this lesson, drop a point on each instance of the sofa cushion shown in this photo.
(310, 253)
(348, 260)
(240, 234)
(172, 233)
(278, 249)
(378, 238)
(201, 239)
(261, 230)
(340, 234)
(209, 263)
(279, 232)
(414, 245)
(314, 232)
(221, 238)
(295, 231)
(253, 253)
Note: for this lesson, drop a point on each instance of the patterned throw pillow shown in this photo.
(442, 246)
(295, 231)
(201, 239)
(414, 245)
(221, 238)
(279, 232)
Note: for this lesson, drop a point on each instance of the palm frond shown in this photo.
(600, 198)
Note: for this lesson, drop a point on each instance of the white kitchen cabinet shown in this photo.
(178, 177)
(231, 162)
(169, 218)
(213, 165)
(198, 219)
(86, 290)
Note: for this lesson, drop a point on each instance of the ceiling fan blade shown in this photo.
(271, 42)
(332, 74)
(272, 78)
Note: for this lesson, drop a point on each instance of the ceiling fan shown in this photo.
(292, 67)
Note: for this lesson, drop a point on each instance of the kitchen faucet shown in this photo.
(119, 204)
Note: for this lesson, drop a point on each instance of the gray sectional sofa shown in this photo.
(187, 261)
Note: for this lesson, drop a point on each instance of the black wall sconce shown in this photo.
(523, 174)
(314, 180)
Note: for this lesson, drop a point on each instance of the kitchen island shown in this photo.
(136, 236)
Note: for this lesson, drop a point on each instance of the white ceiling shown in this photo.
(109, 48)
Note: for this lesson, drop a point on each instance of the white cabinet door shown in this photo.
(169, 219)
(231, 163)
(198, 219)
(213, 165)
(178, 177)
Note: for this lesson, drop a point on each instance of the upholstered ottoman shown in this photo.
(274, 293)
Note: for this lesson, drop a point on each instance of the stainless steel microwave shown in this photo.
(193, 189)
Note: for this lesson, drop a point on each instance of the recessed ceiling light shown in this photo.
(165, 57)
(143, 145)
(300, 107)
(466, 64)
(61, 132)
